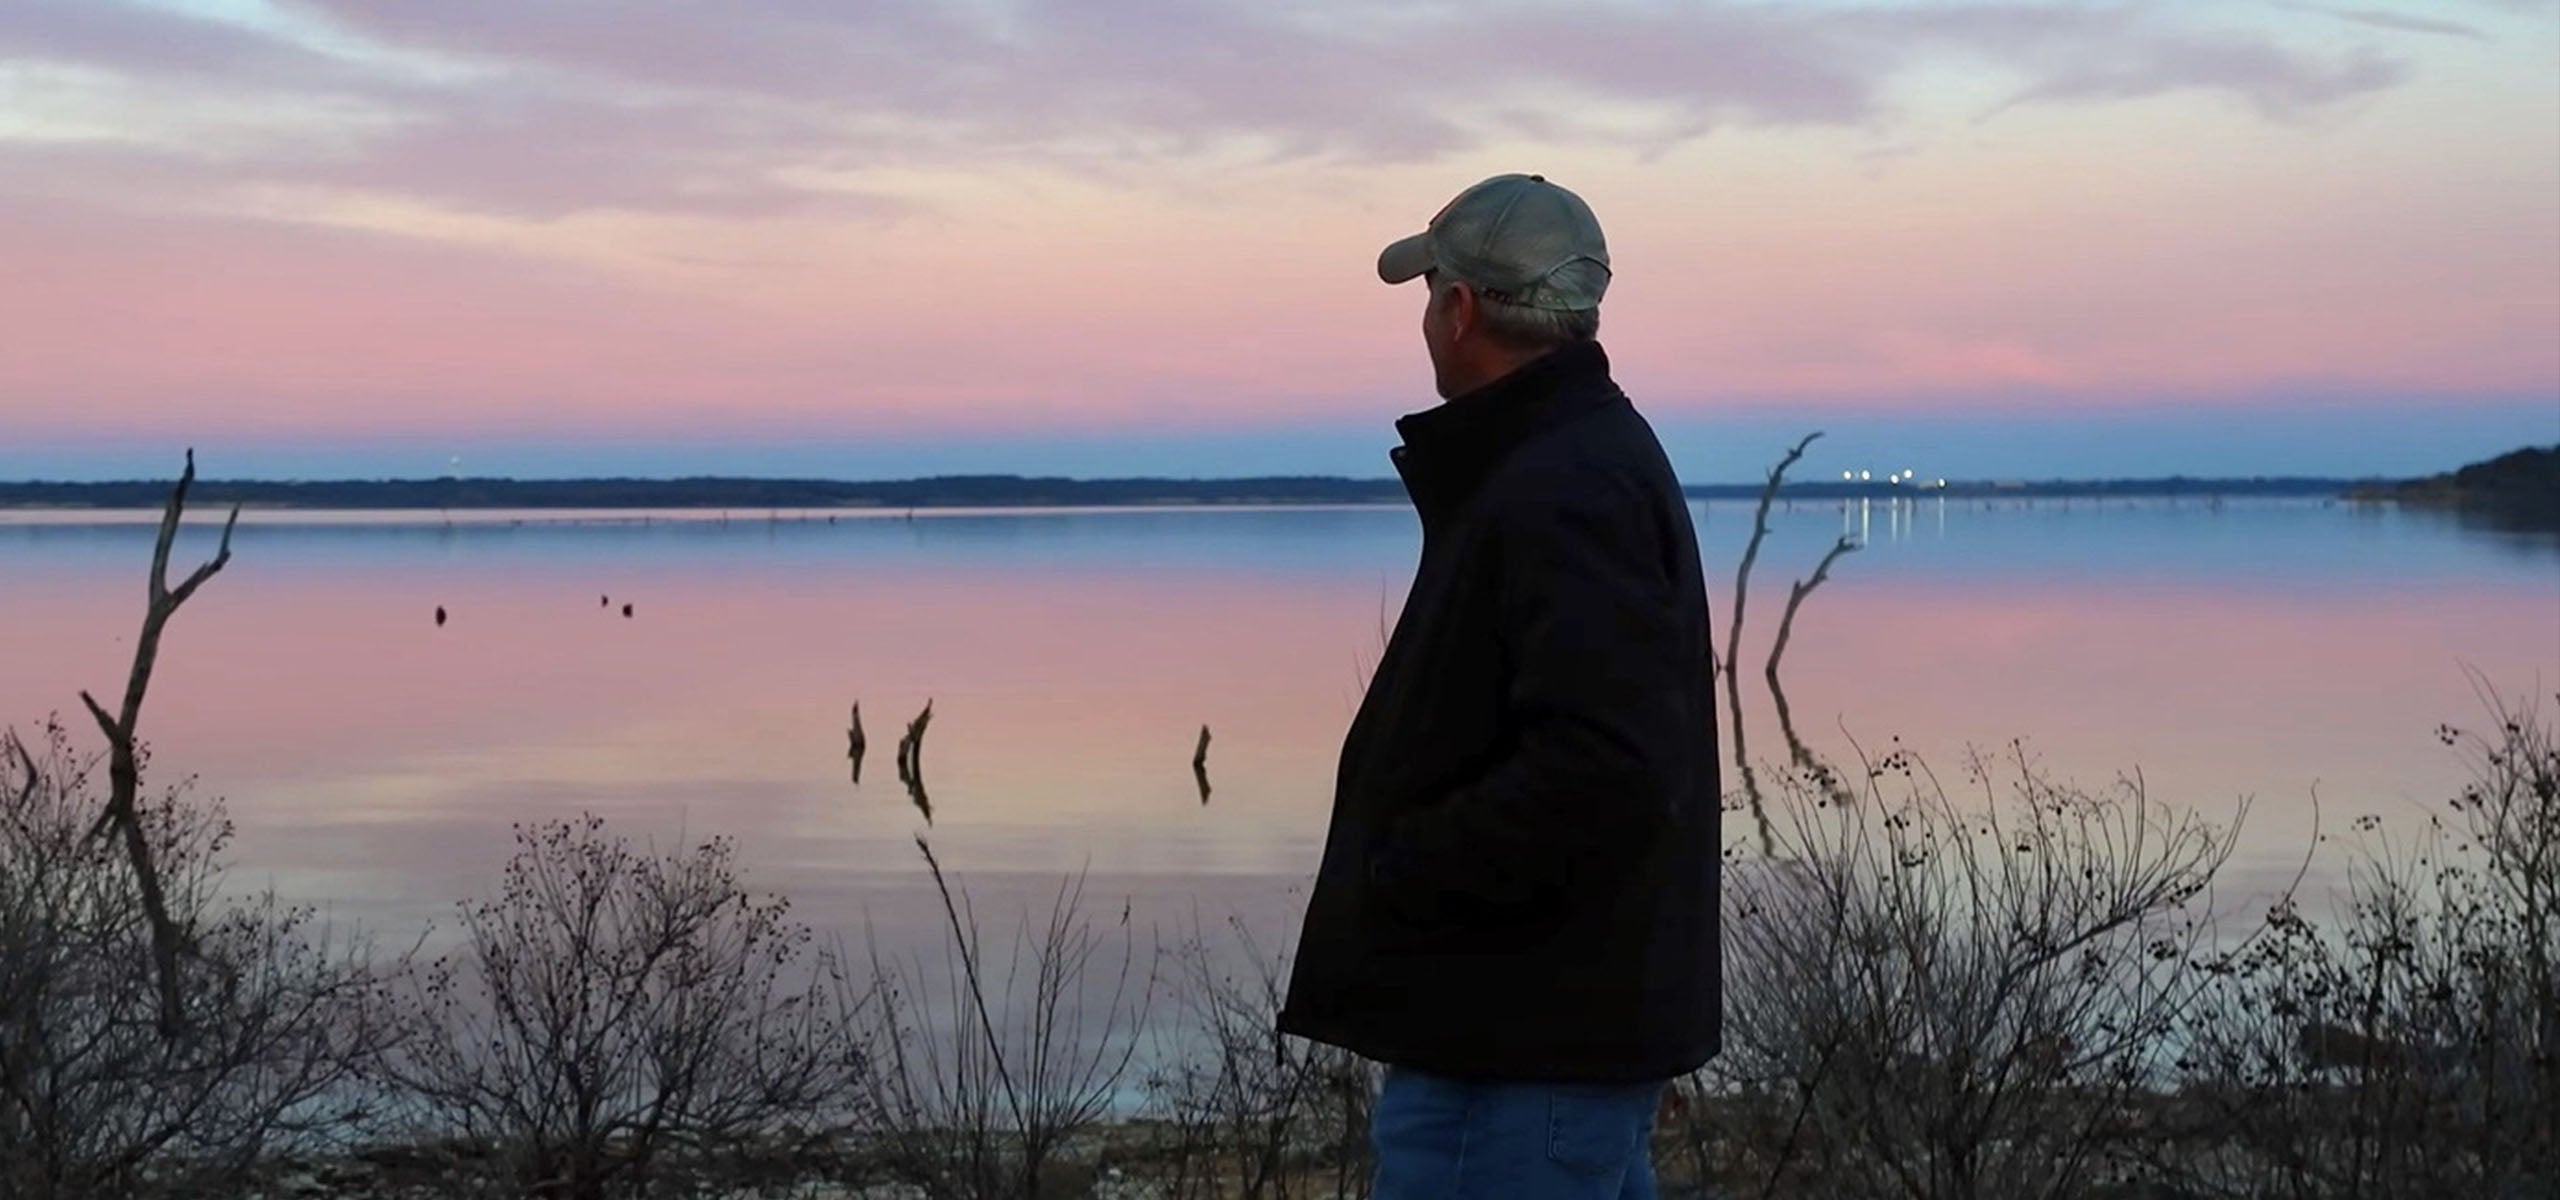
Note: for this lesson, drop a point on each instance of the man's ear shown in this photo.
(1463, 309)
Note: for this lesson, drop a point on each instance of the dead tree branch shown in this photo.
(1733, 638)
(124, 771)
(1796, 594)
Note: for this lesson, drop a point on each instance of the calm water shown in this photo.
(375, 762)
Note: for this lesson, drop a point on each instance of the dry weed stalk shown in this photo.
(982, 1087)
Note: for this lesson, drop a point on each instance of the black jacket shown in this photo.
(1520, 878)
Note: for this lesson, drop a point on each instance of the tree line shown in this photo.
(1005, 491)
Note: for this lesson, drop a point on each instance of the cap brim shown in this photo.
(1406, 259)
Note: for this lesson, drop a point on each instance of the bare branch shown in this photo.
(221, 559)
(93, 1100)
(169, 530)
(966, 942)
(106, 724)
(27, 763)
(1733, 639)
(124, 772)
(1751, 549)
(1796, 594)
(613, 1015)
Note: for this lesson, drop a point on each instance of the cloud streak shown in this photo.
(2278, 85)
(2397, 22)
(541, 108)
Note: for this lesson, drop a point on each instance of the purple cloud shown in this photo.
(2277, 84)
(157, 42)
(544, 156)
(562, 105)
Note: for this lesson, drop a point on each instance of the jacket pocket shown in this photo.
(1397, 918)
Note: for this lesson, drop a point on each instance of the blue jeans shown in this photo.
(1441, 1139)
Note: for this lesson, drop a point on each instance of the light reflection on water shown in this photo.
(375, 762)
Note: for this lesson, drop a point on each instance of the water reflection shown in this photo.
(376, 762)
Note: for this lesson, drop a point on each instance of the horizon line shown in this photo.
(1019, 477)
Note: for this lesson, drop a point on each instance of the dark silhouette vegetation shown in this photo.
(1008, 491)
(2518, 490)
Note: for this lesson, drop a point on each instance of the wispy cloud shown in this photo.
(538, 108)
(2383, 18)
(2277, 84)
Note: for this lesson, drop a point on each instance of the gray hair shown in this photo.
(1526, 328)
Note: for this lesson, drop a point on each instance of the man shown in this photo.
(1516, 910)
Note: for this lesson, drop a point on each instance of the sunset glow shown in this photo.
(320, 237)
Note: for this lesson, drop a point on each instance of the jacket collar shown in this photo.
(1449, 449)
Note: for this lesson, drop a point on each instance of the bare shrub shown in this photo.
(1346, 1098)
(1929, 996)
(1247, 1111)
(992, 1072)
(616, 1018)
(2411, 1045)
(100, 1095)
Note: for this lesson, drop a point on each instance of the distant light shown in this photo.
(1942, 483)
(1848, 474)
(1864, 475)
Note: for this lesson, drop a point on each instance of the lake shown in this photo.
(375, 762)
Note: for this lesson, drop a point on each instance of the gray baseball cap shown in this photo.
(1510, 236)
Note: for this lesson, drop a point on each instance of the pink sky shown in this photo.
(519, 227)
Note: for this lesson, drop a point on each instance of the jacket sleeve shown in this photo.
(1587, 621)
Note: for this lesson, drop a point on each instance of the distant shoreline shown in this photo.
(1009, 491)
(2517, 490)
